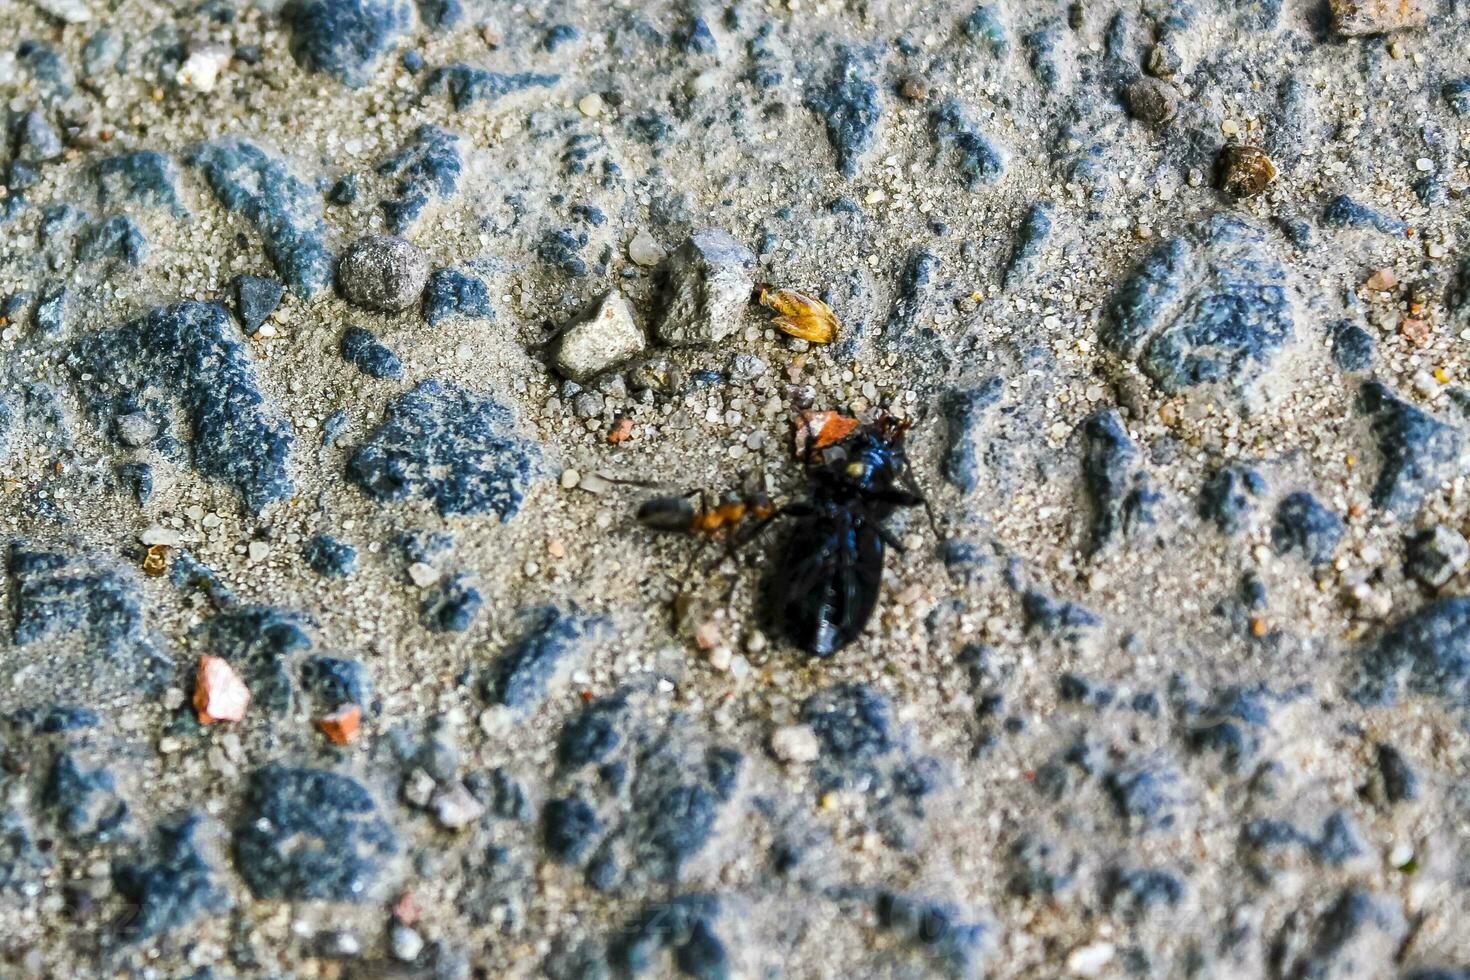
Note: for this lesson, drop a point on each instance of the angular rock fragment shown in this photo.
(308, 834)
(145, 176)
(284, 209)
(1110, 470)
(977, 157)
(1304, 525)
(219, 693)
(83, 801)
(964, 410)
(54, 595)
(345, 38)
(521, 675)
(456, 448)
(1228, 497)
(1418, 452)
(188, 354)
(958, 944)
(703, 286)
(455, 295)
(116, 238)
(1436, 555)
(1427, 652)
(450, 605)
(603, 336)
(329, 557)
(1208, 307)
(1358, 933)
(366, 353)
(256, 297)
(1344, 212)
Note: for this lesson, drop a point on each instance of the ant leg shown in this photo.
(911, 482)
(887, 537)
(684, 580)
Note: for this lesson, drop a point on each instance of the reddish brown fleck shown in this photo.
(621, 431)
(1382, 280)
(219, 693)
(818, 430)
(406, 909)
(1416, 332)
(341, 725)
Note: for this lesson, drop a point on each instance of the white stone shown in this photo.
(200, 70)
(795, 743)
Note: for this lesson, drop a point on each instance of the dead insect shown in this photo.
(1244, 171)
(155, 561)
(722, 520)
(803, 317)
(825, 585)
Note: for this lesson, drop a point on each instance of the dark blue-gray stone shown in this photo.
(1228, 495)
(520, 675)
(1302, 524)
(570, 828)
(286, 210)
(455, 295)
(363, 351)
(468, 85)
(1209, 306)
(851, 721)
(964, 411)
(1033, 233)
(51, 312)
(54, 594)
(188, 354)
(847, 102)
(82, 801)
(456, 448)
(170, 888)
(256, 297)
(145, 176)
(984, 27)
(115, 238)
(1352, 346)
(335, 681)
(330, 557)
(1427, 652)
(450, 605)
(957, 945)
(1343, 212)
(977, 158)
(1109, 471)
(425, 167)
(440, 15)
(345, 38)
(1418, 451)
(34, 138)
(310, 834)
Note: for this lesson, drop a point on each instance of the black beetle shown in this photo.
(826, 585)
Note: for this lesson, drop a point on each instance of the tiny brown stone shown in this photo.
(1152, 101)
(1245, 171)
(1416, 332)
(914, 87)
(1382, 280)
(155, 562)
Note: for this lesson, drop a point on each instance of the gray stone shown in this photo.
(1436, 555)
(383, 272)
(703, 286)
(601, 337)
(136, 429)
(35, 140)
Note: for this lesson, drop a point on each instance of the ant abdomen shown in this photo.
(667, 513)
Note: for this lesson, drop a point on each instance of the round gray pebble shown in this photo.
(382, 272)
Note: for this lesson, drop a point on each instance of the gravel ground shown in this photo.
(341, 340)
